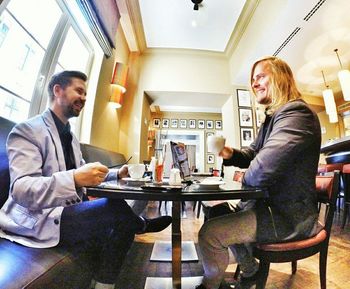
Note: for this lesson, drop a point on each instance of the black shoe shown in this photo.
(200, 287)
(234, 285)
(157, 224)
(252, 278)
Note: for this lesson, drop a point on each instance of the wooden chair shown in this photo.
(324, 169)
(346, 182)
(327, 190)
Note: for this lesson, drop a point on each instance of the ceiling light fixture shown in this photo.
(344, 79)
(328, 97)
(196, 4)
(118, 82)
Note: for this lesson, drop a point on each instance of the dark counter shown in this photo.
(337, 151)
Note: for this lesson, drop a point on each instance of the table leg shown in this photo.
(176, 244)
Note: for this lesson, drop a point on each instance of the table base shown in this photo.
(162, 251)
(166, 283)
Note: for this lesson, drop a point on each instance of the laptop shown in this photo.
(180, 160)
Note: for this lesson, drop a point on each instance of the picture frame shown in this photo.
(243, 98)
(247, 136)
(210, 159)
(183, 123)
(174, 123)
(259, 117)
(201, 123)
(165, 122)
(156, 122)
(245, 117)
(192, 123)
(210, 124)
(218, 124)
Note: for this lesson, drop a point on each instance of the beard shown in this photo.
(74, 109)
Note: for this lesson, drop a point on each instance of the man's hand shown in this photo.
(91, 174)
(123, 172)
(226, 153)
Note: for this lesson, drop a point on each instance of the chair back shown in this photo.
(327, 192)
(95, 154)
(346, 180)
(238, 176)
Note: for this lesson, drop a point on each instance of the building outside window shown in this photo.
(37, 39)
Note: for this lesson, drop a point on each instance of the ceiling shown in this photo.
(304, 33)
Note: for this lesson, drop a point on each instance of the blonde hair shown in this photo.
(282, 86)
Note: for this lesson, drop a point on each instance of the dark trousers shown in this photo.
(104, 230)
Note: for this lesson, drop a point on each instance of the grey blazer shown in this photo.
(284, 159)
(40, 185)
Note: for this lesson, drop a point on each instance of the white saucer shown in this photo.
(136, 182)
(211, 183)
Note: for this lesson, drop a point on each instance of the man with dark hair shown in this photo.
(46, 206)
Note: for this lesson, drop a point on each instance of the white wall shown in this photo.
(230, 129)
(178, 71)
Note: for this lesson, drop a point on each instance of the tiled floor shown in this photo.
(137, 266)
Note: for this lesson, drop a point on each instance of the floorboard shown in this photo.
(137, 266)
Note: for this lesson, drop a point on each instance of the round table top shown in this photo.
(194, 192)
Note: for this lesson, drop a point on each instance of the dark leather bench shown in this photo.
(96, 154)
(23, 267)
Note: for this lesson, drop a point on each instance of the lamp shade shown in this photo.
(333, 117)
(344, 79)
(118, 81)
(329, 102)
(120, 74)
(116, 97)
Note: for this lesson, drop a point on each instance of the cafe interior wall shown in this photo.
(106, 120)
(175, 70)
(170, 115)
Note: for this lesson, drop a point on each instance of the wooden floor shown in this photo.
(137, 266)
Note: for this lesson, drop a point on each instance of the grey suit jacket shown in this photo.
(40, 185)
(283, 159)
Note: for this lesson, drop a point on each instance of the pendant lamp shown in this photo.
(344, 79)
(328, 97)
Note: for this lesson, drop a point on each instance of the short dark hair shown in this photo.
(63, 79)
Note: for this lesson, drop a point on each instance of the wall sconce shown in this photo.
(344, 79)
(118, 82)
(328, 97)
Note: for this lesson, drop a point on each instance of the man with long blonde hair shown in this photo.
(282, 159)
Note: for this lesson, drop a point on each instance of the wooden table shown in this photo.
(229, 191)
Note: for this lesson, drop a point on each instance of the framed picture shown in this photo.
(183, 123)
(165, 122)
(259, 116)
(218, 124)
(210, 124)
(243, 97)
(192, 123)
(247, 136)
(174, 123)
(201, 123)
(156, 122)
(245, 117)
(210, 159)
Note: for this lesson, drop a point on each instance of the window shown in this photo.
(33, 46)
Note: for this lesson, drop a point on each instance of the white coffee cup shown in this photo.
(136, 171)
(215, 143)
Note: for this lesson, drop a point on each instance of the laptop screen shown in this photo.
(180, 158)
